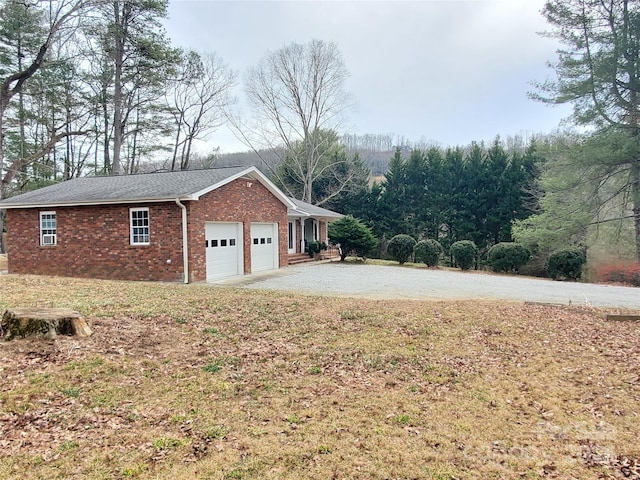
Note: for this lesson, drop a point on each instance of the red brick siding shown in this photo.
(93, 241)
(298, 235)
(322, 227)
(243, 201)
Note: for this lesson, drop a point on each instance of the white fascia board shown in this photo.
(298, 214)
(316, 217)
(302, 213)
(254, 174)
(297, 211)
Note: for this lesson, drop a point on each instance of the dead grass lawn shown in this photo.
(187, 382)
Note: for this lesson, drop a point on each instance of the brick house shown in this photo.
(184, 226)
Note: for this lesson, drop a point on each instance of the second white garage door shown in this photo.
(264, 247)
(223, 243)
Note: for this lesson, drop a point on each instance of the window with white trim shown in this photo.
(48, 228)
(139, 222)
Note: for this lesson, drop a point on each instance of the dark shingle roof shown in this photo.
(153, 187)
(184, 185)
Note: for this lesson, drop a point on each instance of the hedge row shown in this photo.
(507, 257)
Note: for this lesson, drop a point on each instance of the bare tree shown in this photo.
(297, 93)
(198, 102)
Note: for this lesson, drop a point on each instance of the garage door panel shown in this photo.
(264, 247)
(223, 246)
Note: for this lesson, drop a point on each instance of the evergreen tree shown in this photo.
(393, 198)
(353, 236)
(598, 72)
(437, 194)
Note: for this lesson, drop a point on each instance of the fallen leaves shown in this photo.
(265, 385)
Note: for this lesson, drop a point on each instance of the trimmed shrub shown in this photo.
(566, 264)
(315, 247)
(507, 257)
(464, 253)
(400, 248)
(428, 252)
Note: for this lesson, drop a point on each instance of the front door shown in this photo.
(310, 231)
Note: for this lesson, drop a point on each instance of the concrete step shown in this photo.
(296, 258)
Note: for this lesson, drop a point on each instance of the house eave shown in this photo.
(301, 215)
(89, 203)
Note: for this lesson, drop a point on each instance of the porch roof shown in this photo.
(304, 209)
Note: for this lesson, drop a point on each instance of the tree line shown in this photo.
(473, 193)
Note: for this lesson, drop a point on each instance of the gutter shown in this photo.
(5, 204)
(185, 241)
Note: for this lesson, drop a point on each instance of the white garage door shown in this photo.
(264, 246)
(223, 243)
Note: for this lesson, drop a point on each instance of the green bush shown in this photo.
(400, 247)
(428, 252)
(507, 257)
(315, 247)
(464, 253)
(566, 264)
(353, 236)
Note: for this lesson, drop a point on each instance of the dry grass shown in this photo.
(3, 261)
(208, 382)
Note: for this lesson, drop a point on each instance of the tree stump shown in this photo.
(43, 322)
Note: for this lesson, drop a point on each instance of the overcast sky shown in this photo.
(448, 72)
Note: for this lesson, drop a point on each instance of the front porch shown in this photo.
(308, 226)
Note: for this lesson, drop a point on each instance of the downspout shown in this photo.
(185, 241)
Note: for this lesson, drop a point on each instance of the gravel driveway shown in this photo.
(394, 282)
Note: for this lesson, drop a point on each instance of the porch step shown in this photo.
(329, 254)
(297, 258)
